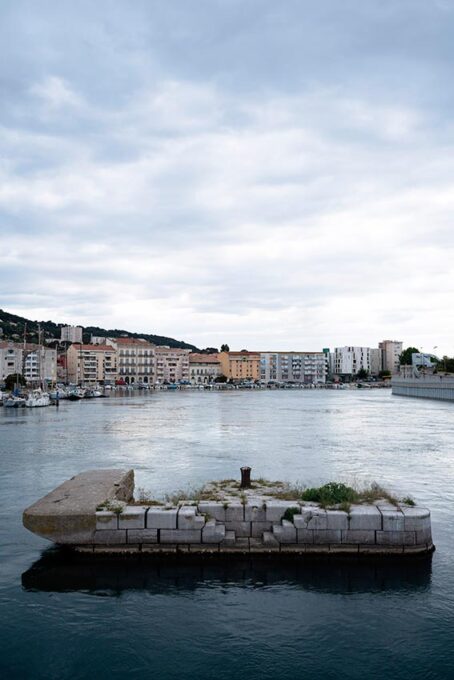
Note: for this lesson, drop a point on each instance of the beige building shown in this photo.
(391, 351)
(240, 366)
(171, 365)
(136, 360)
(203, 368)
(35, 362)
(91, 364)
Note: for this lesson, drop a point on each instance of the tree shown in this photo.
(12, 379)
(362, 373)
(405, 357)
(225, 348)
(384, 374)
(220, 379)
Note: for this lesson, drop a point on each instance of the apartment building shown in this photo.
(391, 351)
(240, 366)
(136, 360)
(171, 365)
(91, 364)
(203, 368)
(35, 362)
(293, 367)
(347, 361)
(71, 334)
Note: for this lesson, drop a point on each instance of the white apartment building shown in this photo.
(293, 367)
(71, 334)
(391, 351)
(35, 362)
(347, 361)
(203, 368)
(376, 360)
(172, 365)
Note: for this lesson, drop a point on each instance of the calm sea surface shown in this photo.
(60, 619)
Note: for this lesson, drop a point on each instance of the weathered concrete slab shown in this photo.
(416, 519)
(393, 519)
(336, 519)
(234, 512)
(396, 538)
(132, 517)
(110, 537)
(106, 520)
(180, 536)
(255, 511)
(162, 518)
(257, 528)
(67, 515)
(285, 532)
(241, 529)
(189, 519)
(359, 536)
(275, 509)
(214, 509)
(327, 536)
(142, 536)
(213, 532)
(364, 518)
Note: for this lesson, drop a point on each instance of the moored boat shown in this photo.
(37, 398)
(14, 402)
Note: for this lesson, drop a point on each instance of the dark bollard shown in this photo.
(245, 477)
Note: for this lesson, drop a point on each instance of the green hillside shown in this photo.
(13, 329)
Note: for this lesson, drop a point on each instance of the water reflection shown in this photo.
(61, 571)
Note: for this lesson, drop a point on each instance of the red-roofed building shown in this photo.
(91, 364)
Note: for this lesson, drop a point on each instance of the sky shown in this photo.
(274, 175)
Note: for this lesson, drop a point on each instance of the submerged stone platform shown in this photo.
(94, 512)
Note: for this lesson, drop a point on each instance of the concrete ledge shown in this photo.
(72, 515)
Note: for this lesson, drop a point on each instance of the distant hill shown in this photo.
(13, 329)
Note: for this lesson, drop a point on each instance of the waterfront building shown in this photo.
(35, 362)
(376, 360)
(203, 368)
(171, 365)
(239, 366)
(347, 361)
(391, 351)
(135, 359)
(91, 364)
(71, 334)
(308, 368)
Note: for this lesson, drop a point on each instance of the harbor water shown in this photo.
(65, 619)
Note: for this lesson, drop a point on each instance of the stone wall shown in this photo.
(69, 515)
(426, 386)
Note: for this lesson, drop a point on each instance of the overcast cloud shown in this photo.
(276, 175)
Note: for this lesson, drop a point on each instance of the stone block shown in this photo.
(380, 549)
(311, 518)
(327, 536)
(241, 529)
(106, 537)
(343, 549)
(393, 519)
(132, 517)
(106, 520)
(214, 510)
(285, 532)
(212, 532)
(257, 528)
(275, 509)
(240, 545)
(180, 536)
(396, 538)
(142, 536)
(189, 519)
(424, 536)
(305, 535)
(256, 544)
(416, 519)
(358, 536)
(364, 518)
(270, 541)
(254, 511)
(336, 520)
(234, 512)
(229, 538)
(162, 518)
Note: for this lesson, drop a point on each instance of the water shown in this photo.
(66, 619)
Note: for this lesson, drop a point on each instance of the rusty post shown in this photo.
(245, 477)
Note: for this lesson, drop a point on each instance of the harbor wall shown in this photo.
(430, 386)
(255, 526)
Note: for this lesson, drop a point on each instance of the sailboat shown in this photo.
(37, 398)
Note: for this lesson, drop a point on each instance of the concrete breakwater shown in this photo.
(425, 386)
(94, 512)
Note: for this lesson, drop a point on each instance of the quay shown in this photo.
(95, 513)
(424, 385)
